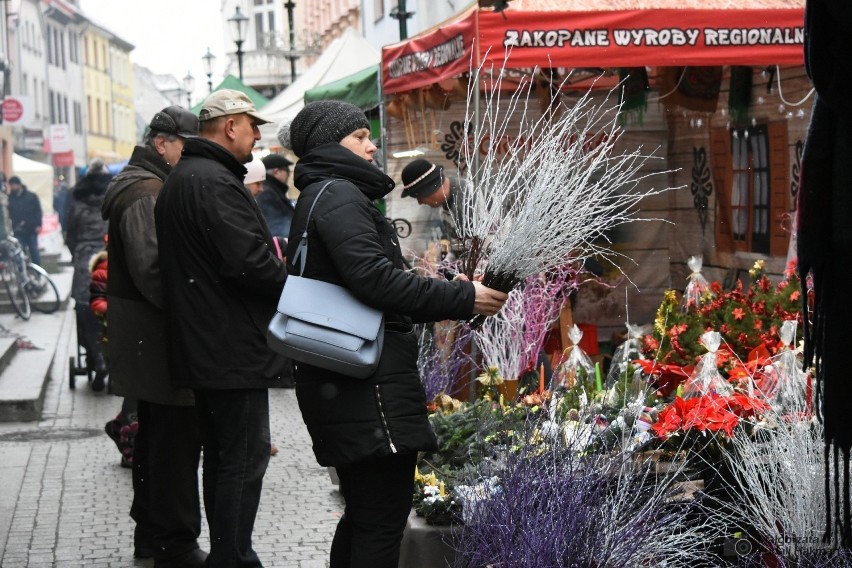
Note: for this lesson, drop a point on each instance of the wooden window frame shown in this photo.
(773, 176)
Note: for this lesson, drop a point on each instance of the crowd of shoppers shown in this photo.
(198, 234)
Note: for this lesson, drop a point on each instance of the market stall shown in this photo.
(695, 74)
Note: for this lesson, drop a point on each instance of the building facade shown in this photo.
(65, 138)
(272, 50)
(111, 125)
(29, 77)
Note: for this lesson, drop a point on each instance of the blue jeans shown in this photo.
(235, 435)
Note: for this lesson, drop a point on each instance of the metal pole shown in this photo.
(240, 57)
(290, 5)
(403, 20)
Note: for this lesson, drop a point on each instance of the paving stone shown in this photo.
(64, 502)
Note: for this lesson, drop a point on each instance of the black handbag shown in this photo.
(323, 324)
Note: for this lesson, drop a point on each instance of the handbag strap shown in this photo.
(301, 255)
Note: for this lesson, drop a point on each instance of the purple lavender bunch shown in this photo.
(555, 508)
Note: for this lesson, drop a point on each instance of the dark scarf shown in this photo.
(334, 161)
(824, 243)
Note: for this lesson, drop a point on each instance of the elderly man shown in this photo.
(222, 279)
(167, 447)
(275, 202)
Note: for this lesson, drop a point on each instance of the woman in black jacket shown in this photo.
(369, 429)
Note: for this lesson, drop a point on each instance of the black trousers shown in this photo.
(166, 504)
(378, 495)
(235, 434)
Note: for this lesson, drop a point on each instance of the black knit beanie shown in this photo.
(319, 123)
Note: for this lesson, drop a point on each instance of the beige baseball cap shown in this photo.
(229, 101)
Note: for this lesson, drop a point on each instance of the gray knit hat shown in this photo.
(319, 123)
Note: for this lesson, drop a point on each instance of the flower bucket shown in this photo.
(509, 389)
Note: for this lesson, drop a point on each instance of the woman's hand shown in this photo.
(488, 301)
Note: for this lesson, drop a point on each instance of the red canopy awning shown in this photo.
(625, 38)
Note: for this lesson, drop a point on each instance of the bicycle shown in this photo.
(27, 284)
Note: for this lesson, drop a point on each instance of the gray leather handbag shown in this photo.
(323, 324)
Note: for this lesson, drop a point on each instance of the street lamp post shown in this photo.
(189, 87)
(239, 23)
(290, 5)
(402, 14)
(2, 87)
(208, 59)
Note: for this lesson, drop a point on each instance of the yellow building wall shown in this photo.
(122, 99)
(110, 123)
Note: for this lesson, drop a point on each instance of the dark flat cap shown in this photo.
(276, 161)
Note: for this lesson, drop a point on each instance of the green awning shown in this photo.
(360, 89)
(231, 82)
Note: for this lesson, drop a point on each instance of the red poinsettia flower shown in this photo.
(746, 406)
(738, 313)
(650, 343)
(665, 377)
(710, 412)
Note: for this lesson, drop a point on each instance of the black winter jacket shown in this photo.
(85, 230)
(138, 366)
(276, 207)
(221, 276)
(25, 212)
(353, 245)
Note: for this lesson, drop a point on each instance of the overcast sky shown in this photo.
(170, 36)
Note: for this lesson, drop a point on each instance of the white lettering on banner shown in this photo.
(556, 38)
(536, 38)
(589, 38)
(662, 37)
(651, 37)
(437, 56)
(753, 36)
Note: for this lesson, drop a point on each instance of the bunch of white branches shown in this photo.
(682, 536)
(778, 477)
(501, 338)
(552, 189)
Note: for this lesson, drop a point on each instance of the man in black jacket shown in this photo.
(167, 447)
(277, 207)
(25, 212)
(221, 282)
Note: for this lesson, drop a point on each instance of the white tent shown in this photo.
(37, 177)
(344, 56)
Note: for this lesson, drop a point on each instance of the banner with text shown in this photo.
(631, 38)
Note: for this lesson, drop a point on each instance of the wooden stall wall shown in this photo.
(702, 157)
(633, 289)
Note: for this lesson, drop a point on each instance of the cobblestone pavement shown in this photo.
(64, 499)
